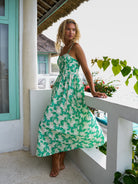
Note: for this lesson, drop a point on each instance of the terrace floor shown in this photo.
(20, 167)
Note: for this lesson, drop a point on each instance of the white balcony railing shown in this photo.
(97, 167)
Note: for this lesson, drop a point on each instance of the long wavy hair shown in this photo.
(61, 33)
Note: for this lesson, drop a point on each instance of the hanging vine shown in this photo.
(118, 66)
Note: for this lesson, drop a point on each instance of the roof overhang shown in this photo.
(49, 11)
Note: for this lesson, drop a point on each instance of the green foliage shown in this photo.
(105, 64)
(116, 69)
(135, 72)
(123, 63)
(135, 152)
(129, 177)
(102, 87)
(136, 86)
(115, 62)
(118, 66)
(100, 63)
(127, 81)
(126, 70)
(103, 148)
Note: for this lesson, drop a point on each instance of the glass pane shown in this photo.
(4, 87)
(2, 7)
(42, 58)
(42, 68)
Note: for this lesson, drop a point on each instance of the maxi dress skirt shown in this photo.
(67, 123)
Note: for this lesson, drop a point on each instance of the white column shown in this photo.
(29, 60)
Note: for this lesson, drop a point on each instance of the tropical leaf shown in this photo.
(129, 171)
(129, 179)
(116, 69)
(100, 63)
(135, 72)
(126, 70)
(105, 64)
(105, 58)
(123, 63)
(115, 62)
(117, 175)
(127, 81)
(136, 87)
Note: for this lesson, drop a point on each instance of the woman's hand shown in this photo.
(98, 94)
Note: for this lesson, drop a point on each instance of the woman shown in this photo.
(68, 123)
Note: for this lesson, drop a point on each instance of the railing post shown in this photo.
(124, 145)
(119, 146)
(112, 131)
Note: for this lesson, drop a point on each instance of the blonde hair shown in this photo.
(61, 33)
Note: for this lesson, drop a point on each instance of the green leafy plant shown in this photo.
(135, 152)
(106, 88)
(130, 176)
(118, 66)
(101, 86)
(103, 148)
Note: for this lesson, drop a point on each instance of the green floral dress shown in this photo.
(67, 123)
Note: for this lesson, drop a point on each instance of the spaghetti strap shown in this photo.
(70, 47)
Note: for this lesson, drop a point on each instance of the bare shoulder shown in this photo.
(77, 49)
(79, 53)
(77, 46)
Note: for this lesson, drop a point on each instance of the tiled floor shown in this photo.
(21, 167)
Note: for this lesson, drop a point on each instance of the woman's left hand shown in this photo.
(100, 95)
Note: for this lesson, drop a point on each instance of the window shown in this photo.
(42, 64)
(2, 7)
(4, 69)
(9, 87)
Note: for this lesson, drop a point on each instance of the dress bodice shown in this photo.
(68, 64)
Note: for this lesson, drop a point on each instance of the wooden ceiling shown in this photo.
(49, 11)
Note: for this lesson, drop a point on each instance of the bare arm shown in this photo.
(82, 60)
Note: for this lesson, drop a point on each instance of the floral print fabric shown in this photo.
(67, 123)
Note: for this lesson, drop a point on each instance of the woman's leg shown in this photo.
(62, 156)
(55, 165)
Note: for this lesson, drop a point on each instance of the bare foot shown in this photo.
(55, 165)
(61, 163)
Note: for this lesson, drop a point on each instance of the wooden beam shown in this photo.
(54, 1)
(52, 10)
(45, 3)
(39, 13)
(41, 8)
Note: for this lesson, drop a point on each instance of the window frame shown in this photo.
(13, 59)
(6, 11)
(46, 61)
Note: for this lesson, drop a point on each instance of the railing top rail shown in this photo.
(127, 109)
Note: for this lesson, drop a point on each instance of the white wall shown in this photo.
(11, 136)
(39, 99)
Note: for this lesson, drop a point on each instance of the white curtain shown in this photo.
(4, 87)
(42, 68)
